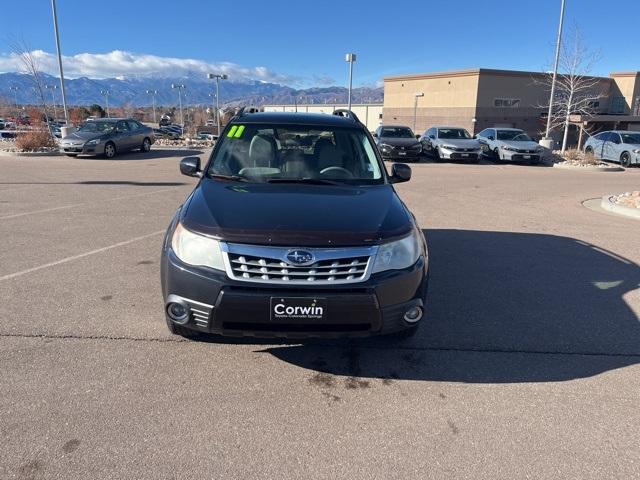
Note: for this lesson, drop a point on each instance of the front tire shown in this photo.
(625, 159)
(146, 145)
(71, 155)
(496, 154)
(110, 150)
(588, 151)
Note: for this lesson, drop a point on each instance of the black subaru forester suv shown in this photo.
(294, 230)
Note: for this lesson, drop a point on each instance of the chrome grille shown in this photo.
(269, 265)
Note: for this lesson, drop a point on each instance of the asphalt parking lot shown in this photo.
(526, 366)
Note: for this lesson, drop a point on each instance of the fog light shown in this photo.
(178, 313)
(413, 314)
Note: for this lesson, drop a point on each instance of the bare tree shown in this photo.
(31, 66)
(577, 91)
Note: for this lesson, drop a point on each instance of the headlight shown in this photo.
(448, 147)
(385, 146)
(637, 150)
(196, 249)
(511, 149)
(417, 146)
(539, 149)
(397, 255)
(95, 141)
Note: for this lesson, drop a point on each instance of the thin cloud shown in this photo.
(119, 63)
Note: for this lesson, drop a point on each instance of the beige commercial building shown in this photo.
(480, 98)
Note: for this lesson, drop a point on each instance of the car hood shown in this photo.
(460, 142)
(296, 215)
(399, 142)
(520, 145)
(82, 136)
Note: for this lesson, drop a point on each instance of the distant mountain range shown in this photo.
(132, 90)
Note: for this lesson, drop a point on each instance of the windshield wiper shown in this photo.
(308, 181)
(237, 178)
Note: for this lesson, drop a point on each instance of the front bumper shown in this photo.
(472, 155)
(223, 306)
(82, 149)
(511, 156)
(400, 153)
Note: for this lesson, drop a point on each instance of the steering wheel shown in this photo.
(343, 172)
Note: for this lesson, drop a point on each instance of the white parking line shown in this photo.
(76, 257)
(15, 215)
(33, 212)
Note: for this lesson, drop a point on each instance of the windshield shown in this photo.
(99, 127)
(453, 133)
(283, 153)
(514, 136)
(396, 132)
(631, 138)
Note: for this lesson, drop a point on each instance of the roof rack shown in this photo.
(246, 110)
(345, 112)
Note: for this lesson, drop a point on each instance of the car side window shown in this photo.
(122, 126)
(133, 125)
(601, 136)
(614, 137)
(483, 133)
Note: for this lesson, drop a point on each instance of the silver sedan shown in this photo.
(615, 145)
(453, 143)
(108, 136)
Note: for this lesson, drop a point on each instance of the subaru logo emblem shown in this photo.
(299, 257)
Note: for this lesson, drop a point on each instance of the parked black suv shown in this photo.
(294, 230)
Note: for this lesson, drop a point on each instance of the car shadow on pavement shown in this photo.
(153, 154)
(502, 307)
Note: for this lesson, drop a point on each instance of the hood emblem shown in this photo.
(299, 257)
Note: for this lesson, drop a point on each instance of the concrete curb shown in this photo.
(608, 204)
(611, 168)
(4, 153)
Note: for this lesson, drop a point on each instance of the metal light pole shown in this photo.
(153, 94)
(15, 94)
(217, 77)
(213, 104)
(106, 99)
(53, 99)
(64, 93)
(180, 87)
(415, 108)
(350, 57)
(555, 72)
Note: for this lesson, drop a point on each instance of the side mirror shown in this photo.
(417, 137)
(400, 172)
(490, 137)
(190, 166)
(432, 137)
(374, 135)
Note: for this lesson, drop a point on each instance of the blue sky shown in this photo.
(303, 43)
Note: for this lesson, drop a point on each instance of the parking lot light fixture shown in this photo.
(415, 108)
(180, 87)
(153, 94)
(105, 94)
(217, 77)
(351, 58)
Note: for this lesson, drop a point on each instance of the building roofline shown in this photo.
(472, 72)
(624, 74)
